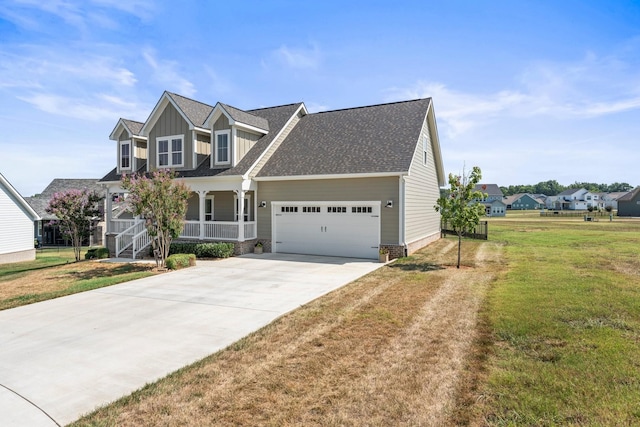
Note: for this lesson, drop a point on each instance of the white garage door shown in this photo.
(349, 229)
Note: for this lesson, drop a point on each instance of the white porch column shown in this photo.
(109, 212)
(241, 194)
(201, 199)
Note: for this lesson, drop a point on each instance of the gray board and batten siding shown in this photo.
(171, 123)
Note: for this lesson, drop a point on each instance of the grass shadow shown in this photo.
(416, 266)
(118, 271)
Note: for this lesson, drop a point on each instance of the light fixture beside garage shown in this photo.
(263, 204)
(389, 204)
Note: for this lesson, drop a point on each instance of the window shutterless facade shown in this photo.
(222, 147)
(170, 151)
(125, 155)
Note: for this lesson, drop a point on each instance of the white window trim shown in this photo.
(247, 212)
(170, 159)
(229, 146)
(120, 145)
(213, 208)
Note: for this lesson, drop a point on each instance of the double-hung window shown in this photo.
(125, 155)
(223, 147)
(170, 151)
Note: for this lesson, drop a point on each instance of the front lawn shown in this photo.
(55, 273)
(565, 322)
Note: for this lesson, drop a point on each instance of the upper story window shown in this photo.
(170, 151)
(223, 146)
(125, 155)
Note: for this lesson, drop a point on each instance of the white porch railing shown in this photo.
(218, 230)
(140, 241)
(125, 238)
(120, 225)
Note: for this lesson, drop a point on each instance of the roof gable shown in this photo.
(631, 195)
(18, 198)
(364, 140)
(132, 127)
(193, 112)
(238, 117)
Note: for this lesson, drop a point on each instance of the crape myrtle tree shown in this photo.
(162, 202)
(460, 206)
(76, 211)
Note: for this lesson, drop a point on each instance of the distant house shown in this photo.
(611, 199)
(523, 201)
(629, 204)
(493, 203)
(16, 225)
(48, 234)
(572, 199)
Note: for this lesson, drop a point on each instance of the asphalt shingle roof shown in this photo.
(133, 126)
(490, 189)
(246, 118)
(197, 112)
(40, 202)
(630, 195)
(372, 139)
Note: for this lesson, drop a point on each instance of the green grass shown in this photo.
(566, 322)
(44, 258)
(84, 281)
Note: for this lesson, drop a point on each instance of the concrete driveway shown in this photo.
(62, 358)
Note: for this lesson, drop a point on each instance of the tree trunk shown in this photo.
(459, 245)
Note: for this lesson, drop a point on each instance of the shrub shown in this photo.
(203, 250)
(608, 209)
(177, 261)
(97, 253)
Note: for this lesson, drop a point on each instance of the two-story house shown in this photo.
(342, 183)
(493, 203)
(523, 201)
(572, 199)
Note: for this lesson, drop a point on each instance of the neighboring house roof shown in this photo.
(489, 189)
(493, 202)
(616, 195)
(40, 202)
(631, 195)
(373, 139)
(509, 200)
(21, 201)
(572, 191)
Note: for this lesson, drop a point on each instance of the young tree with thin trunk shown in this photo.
(461, 207)
(76, 211)
(162, 202)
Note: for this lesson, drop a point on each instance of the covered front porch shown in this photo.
(215, 212)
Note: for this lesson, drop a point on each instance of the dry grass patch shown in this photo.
(388, 349)
(51, 282)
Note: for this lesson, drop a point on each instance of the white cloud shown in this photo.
(299, 58)
(79, 14)
(589, 88)
(93, 108)
(167, 74)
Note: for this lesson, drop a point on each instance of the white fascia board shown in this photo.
(333, 176)
(203, 130)
(301, 108)
(19, 198)
(244, 126)
(214, 114)
(116, 130)
(435, 143)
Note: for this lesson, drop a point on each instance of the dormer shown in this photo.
(132, 146)
(176, 133)
(233, 132)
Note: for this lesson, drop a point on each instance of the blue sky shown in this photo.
(527, 90)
